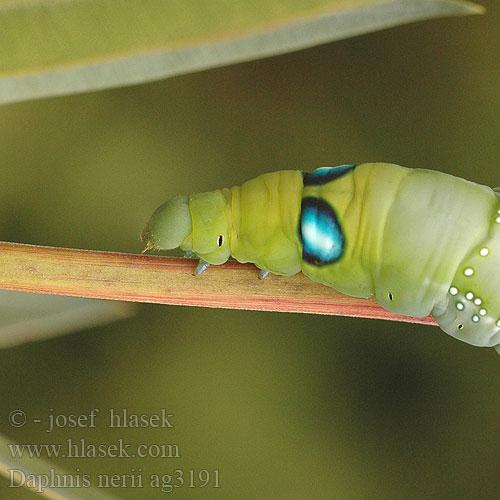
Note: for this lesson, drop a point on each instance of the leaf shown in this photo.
(56, 47)
(26, 317)
(37, 473)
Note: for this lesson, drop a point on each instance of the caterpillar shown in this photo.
(420, 241)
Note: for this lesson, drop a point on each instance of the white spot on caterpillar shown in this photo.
(497, 220)
(460, 306)
(475, 318)
(498, 211)
(484, 252)
(482, 311)
(469, 295)
(478, 301)
(468, 271)
(453, 290)
(498, 322)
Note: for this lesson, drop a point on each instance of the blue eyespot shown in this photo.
(323, 175)
(322, 238)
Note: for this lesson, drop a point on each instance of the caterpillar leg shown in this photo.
(263, 274)
(190, 255)
(202, 265)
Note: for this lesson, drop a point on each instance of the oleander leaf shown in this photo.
(56, 47)
(41, 476)
(27, 317)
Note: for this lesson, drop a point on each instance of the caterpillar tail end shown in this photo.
(497, 349)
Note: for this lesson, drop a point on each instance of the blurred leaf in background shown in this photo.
(35, 474)
(25, 317)
(50, 48)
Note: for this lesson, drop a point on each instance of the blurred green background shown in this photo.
(285, 406)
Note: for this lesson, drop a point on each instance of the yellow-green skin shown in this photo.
(422, 242)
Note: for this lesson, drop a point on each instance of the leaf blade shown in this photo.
(35, 473)
(27, 317)
(79, 46)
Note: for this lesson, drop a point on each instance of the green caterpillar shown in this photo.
(421, 242)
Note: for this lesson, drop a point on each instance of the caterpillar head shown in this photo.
(169, 225)
(198, 223)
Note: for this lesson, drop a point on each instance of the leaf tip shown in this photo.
(473, 8)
